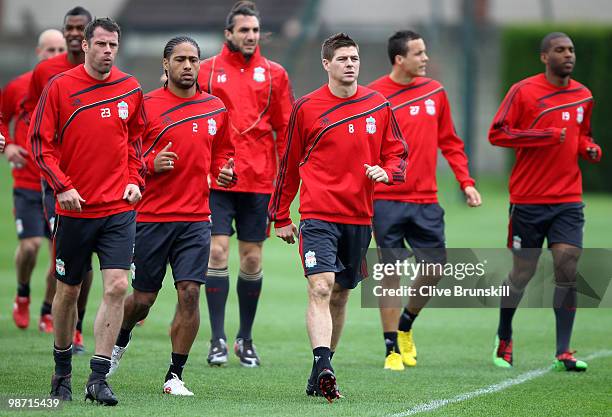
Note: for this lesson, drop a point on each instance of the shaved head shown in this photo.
(546, 42)
(51, 42)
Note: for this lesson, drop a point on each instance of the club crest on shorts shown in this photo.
(310, 260)
(19, 226)
(579, 114)
(259, 74)
(371, 125)
(430, 107)
(212, 127)
(60, 268)
(122, 108)
(516, 242)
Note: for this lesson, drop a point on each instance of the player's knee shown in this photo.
(218, 255)
(29, 248)
(339, 297)
(144, 300)
(320, 290)
(116, 287)
(251, 263)
(66, 294)
(189, 296)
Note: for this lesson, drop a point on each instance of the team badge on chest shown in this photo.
(212, 127)
(579, 114)
(371, 125)
(123, 110)
(430, 107)
(259, 74)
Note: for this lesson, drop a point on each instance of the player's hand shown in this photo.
(226, 174)
(15, 154)
(2, 142)
(288, 233)
(563, 134)
(472, 196)
(164, 160)
(592, 151)
(376, 173)
(132, 193)
(70, 200)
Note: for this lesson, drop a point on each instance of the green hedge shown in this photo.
(521, 58)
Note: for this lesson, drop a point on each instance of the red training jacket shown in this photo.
(258, 97)
(423, 113)
(41, 74)
(86, 135)
(12, 109)
(198, 128)
(329, 139)
(530, 119)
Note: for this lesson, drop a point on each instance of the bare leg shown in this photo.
(337, 309)
(318, 317)
(187, 320)
(110, 314)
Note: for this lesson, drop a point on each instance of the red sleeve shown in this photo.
(35, 90)
(280, 110)
(452, 147)
(394, 151)
(586, 140)
(42, 134)
(3, 127)
(504, 133)
(288, 180)
(136, 165)
(7, 111)
(222, 149)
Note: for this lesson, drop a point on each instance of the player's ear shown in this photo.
(544, 58)
(85, 45)
(228, 34)
(165, 64)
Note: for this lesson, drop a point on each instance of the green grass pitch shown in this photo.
(454, 345)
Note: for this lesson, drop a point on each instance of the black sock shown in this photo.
(248, 288)
(79, 325)
(176, 366)
(100, 365)
(565, 312)
(45, 309)
(406, 320)
(507, 310)
(322, 358)
(124, 337)
(217, 289)
(331, 355)
(23, 290)
(63, 360)
(391, 342)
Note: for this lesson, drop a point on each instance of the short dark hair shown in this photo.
(547, 40)
(177, 40)
(105, 23)
(78, 11)
(337, 41)
(243, 7)
(398, 43)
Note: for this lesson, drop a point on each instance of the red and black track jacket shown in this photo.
(258, 97)
(13, 96)
(86, 134)
(530, 119)
(41, 74)
(198, 128)
(329, 139)
(423, 113)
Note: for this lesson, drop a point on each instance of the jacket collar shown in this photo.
(237, 57)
